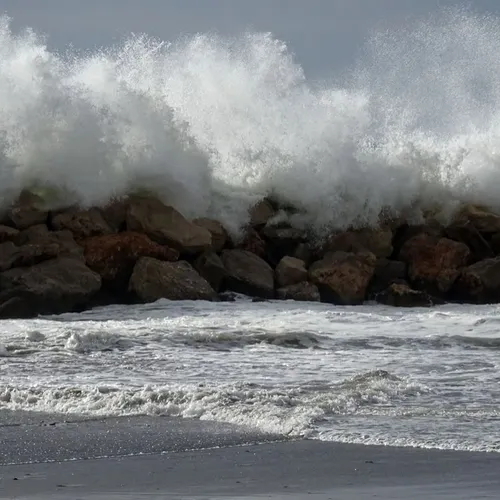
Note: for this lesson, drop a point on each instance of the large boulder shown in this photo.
(51, 287)
(376, 241)
(32, 235)
(281, 241)
(167, 226)
(495, 244)
(261, 212)
(484, 220)
(303, 291)
(406, 232)
(153, 279)
(290, 271)
(434, 263)
(343, 278)
(468, 234)
(401, 295)
(28, 210)
(386, 273)
(115, 213)
(26, 255)
(210, 267)
(216, 229)
(7, 233)
(82, 223)
(113, 256)
(303, 252)
(252, 242)
(41, 236)
(248, 274)
(479, 282)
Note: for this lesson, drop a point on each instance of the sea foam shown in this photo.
(213, 124)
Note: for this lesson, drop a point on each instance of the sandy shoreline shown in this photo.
(169, 458)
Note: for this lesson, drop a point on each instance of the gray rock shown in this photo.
(303, 291)
(26, 255)
(290, 271)
(27, 211)
(167, 226)
(479, 282)
(51, 287)
(153, 279)
(248, 274)
(210, 267)
(261, 212)
(82, 223)
(216, 229)
(401, 295)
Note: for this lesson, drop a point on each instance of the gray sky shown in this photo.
(323, 34)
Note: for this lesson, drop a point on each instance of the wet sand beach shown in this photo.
(156, 457)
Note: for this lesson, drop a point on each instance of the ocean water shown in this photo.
(213, 124)
(368, 374)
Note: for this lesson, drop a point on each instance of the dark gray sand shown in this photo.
(154, 458)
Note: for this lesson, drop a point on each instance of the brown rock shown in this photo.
(387, 272)
(27, 211)
(153, 279)
(343, 278)
(248, 274)
(401, 295)
(167, 226)
(484, 220)
(466, 233)
(304, 291)
(210, 267)
(51, 287)
(7, 233)
(216, 229)
(479, 282)
(113, 256)
(406, 232)
(290, 271)
(433, 264)
(252, 242)
(82, 223)
(261, 212)
(376, 241)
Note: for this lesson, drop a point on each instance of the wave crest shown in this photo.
(213, 124)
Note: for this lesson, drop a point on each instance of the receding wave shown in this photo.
(235, 339)
(434, 342)
(289, 411)
(212, 124)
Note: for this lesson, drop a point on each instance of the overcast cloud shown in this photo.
(323, 34)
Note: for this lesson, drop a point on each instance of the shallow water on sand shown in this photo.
(369, 374)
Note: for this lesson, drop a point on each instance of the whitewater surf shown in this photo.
(212, 124)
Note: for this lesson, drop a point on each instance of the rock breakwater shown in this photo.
(138, 249)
